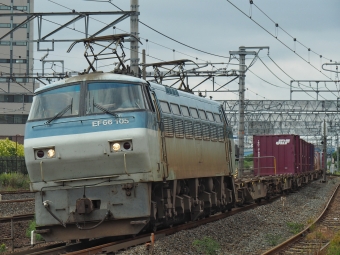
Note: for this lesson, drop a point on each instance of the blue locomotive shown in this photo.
(113, 155)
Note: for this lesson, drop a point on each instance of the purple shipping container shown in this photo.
(304, 156)
(285, 148)
(311, 157)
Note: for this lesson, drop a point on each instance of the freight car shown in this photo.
(112, 155)
(282, 163)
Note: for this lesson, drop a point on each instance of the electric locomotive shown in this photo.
(113, 155)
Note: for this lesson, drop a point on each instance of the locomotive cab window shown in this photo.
(217, 118)
(210, 116)
(202, 114)
(194, 113)
(60, 102)
(175, 109)
(165, 107)
(185, 111)
(113, 96)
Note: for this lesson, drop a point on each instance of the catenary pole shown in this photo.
(242, 76)
(134, 60)
(337, 152)
(324, 152)
(241, 109)
(144, 62)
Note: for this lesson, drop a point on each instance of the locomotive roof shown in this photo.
(92, 77)
(117, 77)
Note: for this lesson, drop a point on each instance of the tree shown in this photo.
(9, 148)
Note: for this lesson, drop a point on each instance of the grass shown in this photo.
(206, 245)
(334, 246)
(32, 227)
(248, 161)
(273, 240)
(14, 181)
(295, 227)
(2, 248)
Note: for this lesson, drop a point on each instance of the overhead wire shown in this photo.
(294, 51)
(127, 31)
(46, 20)
(186, 45)
(253, 61)
(284, 81)
(287, 32)
(279, 40)
(299, 84)
(216, 55)
(165, 46)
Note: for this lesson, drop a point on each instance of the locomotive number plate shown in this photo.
(119, 121)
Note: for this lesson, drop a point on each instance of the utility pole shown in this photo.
(337, 152)
(144, 62)
(324, 151)
(134, 60)
(242, 72)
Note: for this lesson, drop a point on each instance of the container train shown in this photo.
(114, 155)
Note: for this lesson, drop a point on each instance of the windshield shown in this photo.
(61, 102)
(111, 96)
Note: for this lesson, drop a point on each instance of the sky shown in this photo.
(218, 27)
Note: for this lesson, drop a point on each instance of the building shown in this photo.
(16, 58)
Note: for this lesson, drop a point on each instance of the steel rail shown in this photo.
(16, 200)
(300, 235)
(99, 246)
(126, 243)
(16, 192)
(15, 218)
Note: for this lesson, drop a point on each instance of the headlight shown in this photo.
(44, 153)
(40, 154)
(125, 145)
(116, 146)
(50, 153)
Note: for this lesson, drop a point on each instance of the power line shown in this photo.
(288, 33)
(47, 20)
(278, 40)
(181, 42)
(300, 84)
(266, 81)
(285, 82)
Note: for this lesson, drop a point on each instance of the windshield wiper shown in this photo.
(61, 113)
(103, 109)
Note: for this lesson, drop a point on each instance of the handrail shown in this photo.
(258, 162)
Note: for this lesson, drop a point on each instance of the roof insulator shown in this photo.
(276, 24)
(294, 39)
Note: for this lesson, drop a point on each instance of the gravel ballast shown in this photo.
(253, 231)
(250, 232)
(16, 208)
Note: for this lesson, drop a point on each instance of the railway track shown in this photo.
(317, 235)
(105, 246)
(16, 192)
(15, 218)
